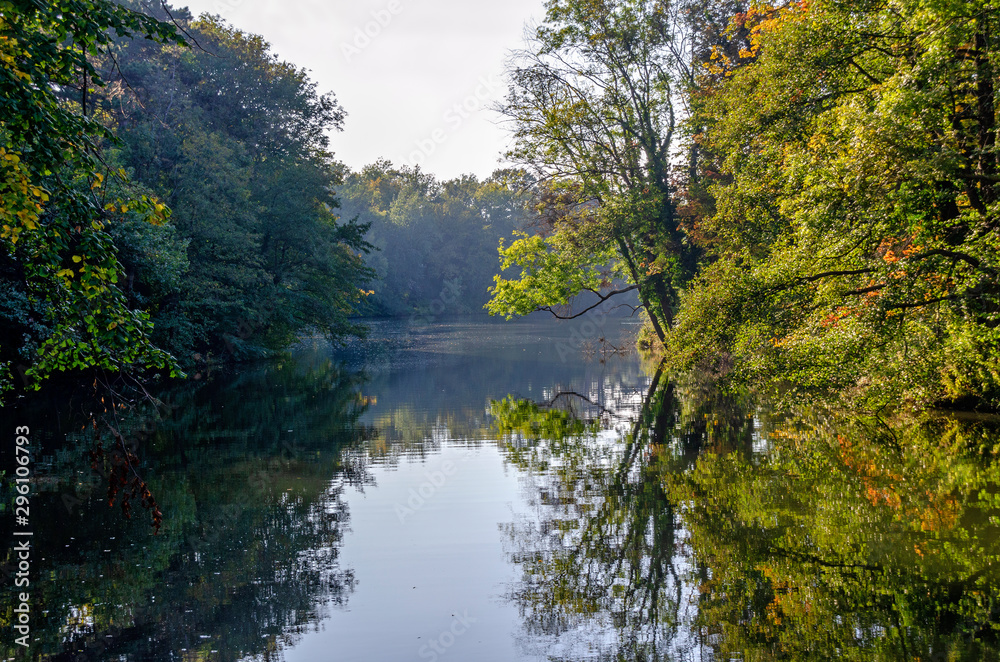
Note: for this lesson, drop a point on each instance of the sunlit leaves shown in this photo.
(594, 105)
(546, 277)
(856, 149)
(58, 195)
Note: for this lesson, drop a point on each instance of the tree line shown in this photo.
(170, 198)
(800, 194)
(169, 194)
(435, 242)
(804, 194)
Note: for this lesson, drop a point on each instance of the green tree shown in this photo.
(854, 203)
(595, 102)
(436, 240)
(236, 141)
(65, 308)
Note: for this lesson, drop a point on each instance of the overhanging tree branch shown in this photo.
(602, 297)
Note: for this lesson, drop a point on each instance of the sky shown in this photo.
(416, 77)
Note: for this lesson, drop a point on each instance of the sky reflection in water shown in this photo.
(470, 491)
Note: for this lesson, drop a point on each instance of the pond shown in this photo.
(476, 490)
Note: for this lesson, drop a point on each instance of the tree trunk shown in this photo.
(987, 114)
(643, 285)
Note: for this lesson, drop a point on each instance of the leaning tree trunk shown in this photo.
(647, 295)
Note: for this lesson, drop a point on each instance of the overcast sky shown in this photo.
(415, 76)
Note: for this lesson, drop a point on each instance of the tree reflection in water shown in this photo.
(842, 537)
(251, 470)
(705, 532)
(601, 578)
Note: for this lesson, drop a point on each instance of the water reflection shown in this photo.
(255, 471)
(640, 518)
(602, 576)
(843, 537)
(432, 385)
(251, 471)
(708, 530)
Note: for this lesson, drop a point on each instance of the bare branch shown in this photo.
(603, 298)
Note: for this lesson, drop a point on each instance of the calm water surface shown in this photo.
(473, 490)
(428, 542)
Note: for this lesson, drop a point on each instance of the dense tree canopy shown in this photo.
(853, 167)
(61, 305)
(790, 187)
(436, 241)
(237, 142)
(162, 204)
(785, 187)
